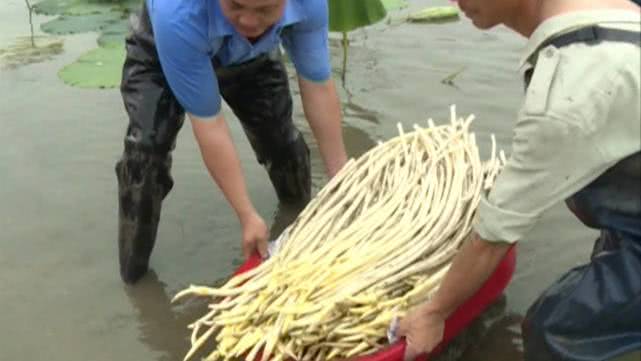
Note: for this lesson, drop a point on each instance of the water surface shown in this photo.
(61, 298)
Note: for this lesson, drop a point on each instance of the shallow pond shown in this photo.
(61, 297)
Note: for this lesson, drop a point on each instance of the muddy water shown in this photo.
(60, 294)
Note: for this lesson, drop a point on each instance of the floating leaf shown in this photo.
(348, 15)
(23, 51)
(111, 39)
(126, 6)
(71, 7)
(435, 14)
(98, 68)
(394, 4)
(79, 24)
(84, 7)
(114, 33)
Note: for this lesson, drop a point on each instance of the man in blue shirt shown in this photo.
(185, 56)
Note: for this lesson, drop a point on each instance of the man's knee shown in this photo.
(155, 116)
(143, 170)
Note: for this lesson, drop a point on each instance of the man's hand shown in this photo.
(222, 162)
(255, 235)
(423, 331)
(473, 264)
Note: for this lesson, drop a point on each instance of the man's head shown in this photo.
(524, 16)
(486, 14)
(252, 18)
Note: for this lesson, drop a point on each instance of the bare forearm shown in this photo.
(472, 266)
(221, 159)
(323, 112)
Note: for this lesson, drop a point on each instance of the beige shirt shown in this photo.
(581, 115)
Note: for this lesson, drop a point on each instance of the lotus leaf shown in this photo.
(348, 15)
(70, 7)
(98, 68)
(394, 4)
(114, 33)
(79, 24)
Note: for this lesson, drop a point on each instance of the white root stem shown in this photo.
(376, 240)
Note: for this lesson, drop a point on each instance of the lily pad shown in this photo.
(27, 50)
(114, 33)
(394, 4)
(71, 7)
(79, 24)
(348, 15)
(435, 14)
(98, 68)
(111, 39)
(127, 6)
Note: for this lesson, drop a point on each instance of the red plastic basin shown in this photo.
(460, 319)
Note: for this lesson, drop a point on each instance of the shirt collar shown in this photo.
(570, 21)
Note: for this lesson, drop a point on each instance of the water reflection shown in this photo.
(502, 341)
(494, 336)
(162, 326)
(283, 217)
(497, 336)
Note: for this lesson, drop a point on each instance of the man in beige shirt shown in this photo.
(578, 139)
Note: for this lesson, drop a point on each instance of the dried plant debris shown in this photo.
(30, 50)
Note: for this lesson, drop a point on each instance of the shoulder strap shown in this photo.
(593, 35)
(590, 35)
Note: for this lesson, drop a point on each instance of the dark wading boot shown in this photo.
(143, 182)
(143, 171)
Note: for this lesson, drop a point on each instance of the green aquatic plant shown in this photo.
(345, 16)
(71, 24)
(83, 7)
(70, 7)
(114, 33)
(394, 4)
(30, 9)
(98, 68)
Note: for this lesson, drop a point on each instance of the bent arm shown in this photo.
(322, 109)
(221, 160)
